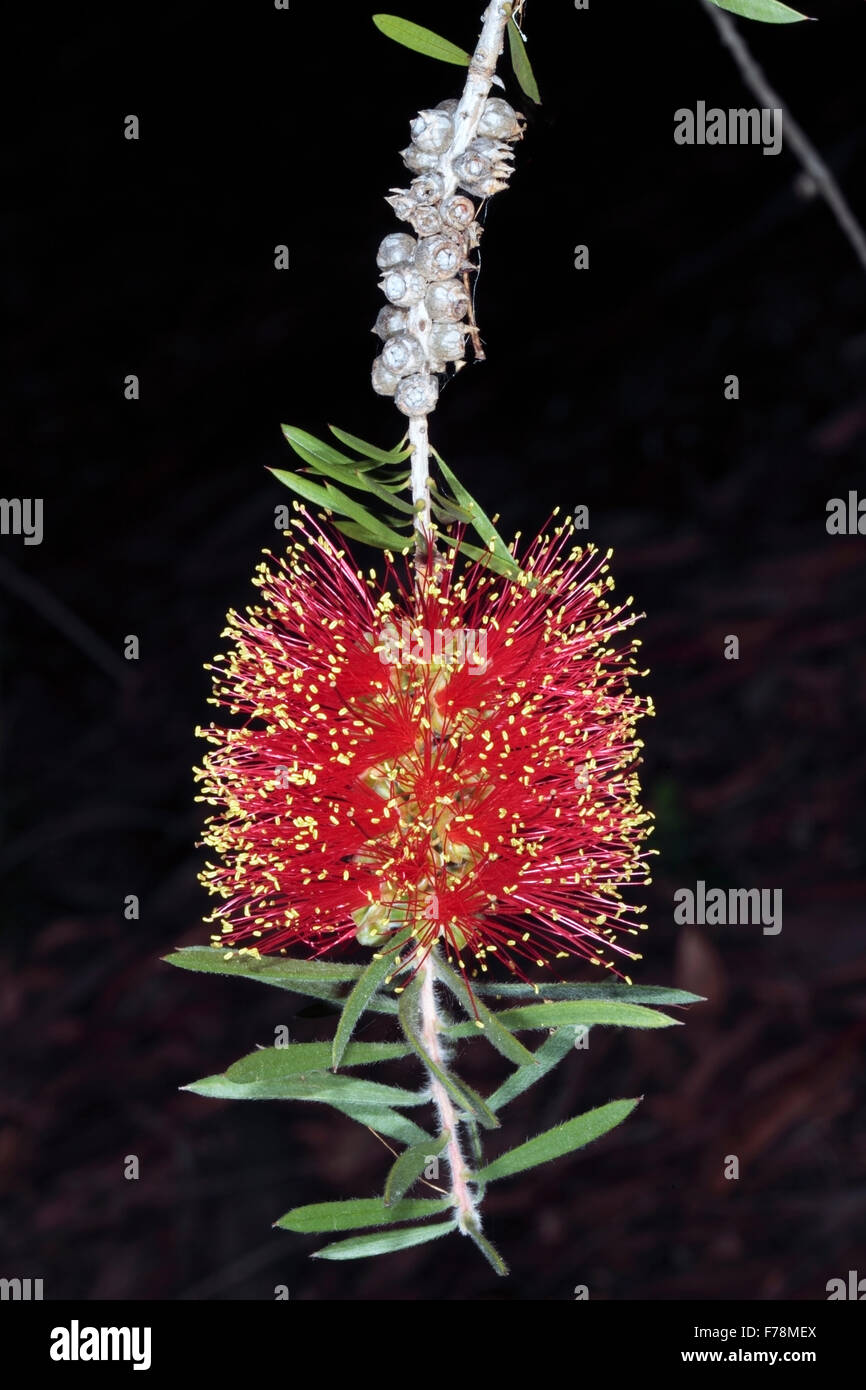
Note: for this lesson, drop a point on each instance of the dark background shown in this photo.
(603, 388)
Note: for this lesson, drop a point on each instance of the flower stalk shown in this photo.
(464, 1203)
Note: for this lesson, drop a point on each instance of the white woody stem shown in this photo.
(464, 1204)
(469, 111)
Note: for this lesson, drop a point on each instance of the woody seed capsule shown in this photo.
(500, 120)
(457, 211)
(425, 219)
(403, 354)
(384, 382)
(417, 395)
(439, 257)
(419, 161)
(396, 247)
(447, 340)
(390, 320)
(447, 301)
(432, 131)
(403, 285)
(428, 188)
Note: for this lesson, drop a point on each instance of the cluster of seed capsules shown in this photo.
(424, 325)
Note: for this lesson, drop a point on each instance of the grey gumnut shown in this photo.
(417, 395)
(384, 382)
(500, 120)
(457, 211)
(396, 247)
(447, 301)
(448, 341)
(432, 131)
(403, 286)
(403, 354)
(390, 320)
(419, 161)
(427, 188)
(439, 257)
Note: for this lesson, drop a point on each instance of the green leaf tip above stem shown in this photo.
(765, 11)
(421, 40)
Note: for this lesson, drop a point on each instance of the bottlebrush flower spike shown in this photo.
(438, 764)
(452, 755)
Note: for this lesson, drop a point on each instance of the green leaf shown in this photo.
(334, 500)
(768, 11)
(269, 1062)
(587, 1011)
(359, 533)
(421, 40)
(369, 451)
(464, 1095)
(352, 477)
(385, 1121)
(493, 1030)
(322, 1086)
(410, 1165)
(631, 994)
(357, 1212)
(480, 520)
(520, 62)
(361, 1247)
(490, 1253)
(283, 970)
(562, 1139)
(306, 445)
(509, 568)
(545, 1058)
(369, 983)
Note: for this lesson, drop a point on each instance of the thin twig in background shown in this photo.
(794, 135)
(72, 627)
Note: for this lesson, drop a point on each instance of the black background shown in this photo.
(603, 388)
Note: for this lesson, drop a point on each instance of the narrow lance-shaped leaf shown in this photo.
(544, 1059)
(767, 11)
(490, 1253)
(586, 1011)
(562, 1139)
(420, 40)
(520, 62)
(357, 1212)
(626, 994)
(410, 1165)
(336, 501)
(321, 1086)
(385, 1121)
(211, 960)
(361, 1247)
(493, 1029)
(370, 451)
(350, 476)
(480, 520)
(368, 984)
(297, 1058)
(359, 533)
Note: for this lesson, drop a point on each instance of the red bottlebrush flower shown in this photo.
(456, 754)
